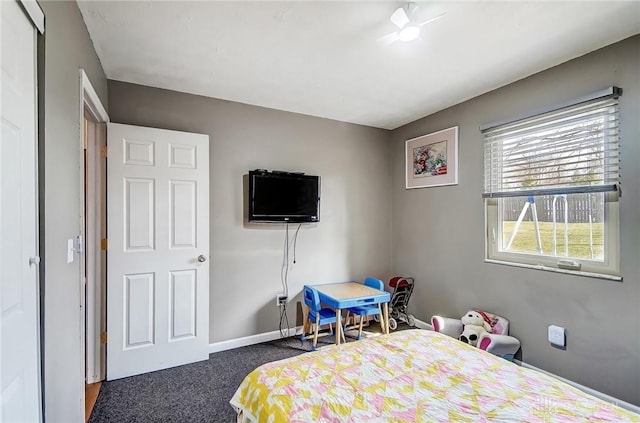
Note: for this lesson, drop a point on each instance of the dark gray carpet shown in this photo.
(198, 392)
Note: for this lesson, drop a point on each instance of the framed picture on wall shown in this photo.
(432, 159)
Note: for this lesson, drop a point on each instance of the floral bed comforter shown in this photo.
(411, 376)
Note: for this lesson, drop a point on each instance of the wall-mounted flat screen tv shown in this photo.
(283, 197)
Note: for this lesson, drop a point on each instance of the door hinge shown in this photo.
(104, 244)
(103, 151)
(103, 337)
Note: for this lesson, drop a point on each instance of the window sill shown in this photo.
(556, 270)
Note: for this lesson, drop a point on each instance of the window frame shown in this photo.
(609, 268)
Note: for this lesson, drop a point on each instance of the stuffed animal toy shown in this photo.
(475, 325)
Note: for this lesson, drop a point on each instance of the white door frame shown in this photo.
(93, 368)
(35, 13)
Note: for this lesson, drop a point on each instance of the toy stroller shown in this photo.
(402, 289)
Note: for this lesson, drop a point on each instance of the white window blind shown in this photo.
(573, 149)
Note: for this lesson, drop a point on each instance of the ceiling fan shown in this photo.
(408, 28)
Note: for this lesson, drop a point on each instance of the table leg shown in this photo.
(338, 326)
(385, 310)
(305, 321)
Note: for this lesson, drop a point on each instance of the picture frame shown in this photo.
(432, 160)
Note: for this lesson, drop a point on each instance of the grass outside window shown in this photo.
(579, 245)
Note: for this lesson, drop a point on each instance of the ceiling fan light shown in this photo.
(409, 33)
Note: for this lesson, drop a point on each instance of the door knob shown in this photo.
(34, 260)
(202, 258)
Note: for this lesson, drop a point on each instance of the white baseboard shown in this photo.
(251, 340)
(597, 394)
(271, 336)
(423, 325)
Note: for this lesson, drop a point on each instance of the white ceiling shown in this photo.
(322, 58)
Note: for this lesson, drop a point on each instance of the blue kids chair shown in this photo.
(367, 310)
(317, 316)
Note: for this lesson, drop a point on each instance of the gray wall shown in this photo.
(352, 239)
(438, 234)
(67, 48)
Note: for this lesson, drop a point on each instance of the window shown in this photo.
(551, 187)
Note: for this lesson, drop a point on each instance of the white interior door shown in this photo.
(157, 257)
(19, 333)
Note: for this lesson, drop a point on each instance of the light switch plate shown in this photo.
(556, 335)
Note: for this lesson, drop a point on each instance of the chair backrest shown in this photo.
(374, 283)
(499, 325)
(311, 298)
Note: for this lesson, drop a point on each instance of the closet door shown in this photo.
(19, 296)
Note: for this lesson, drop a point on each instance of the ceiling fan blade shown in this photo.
(432, 19)
(399, 18)
(388, 39)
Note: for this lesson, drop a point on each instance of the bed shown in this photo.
(411, 376)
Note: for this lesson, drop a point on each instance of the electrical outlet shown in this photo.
(556, 335)
(281, 299)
